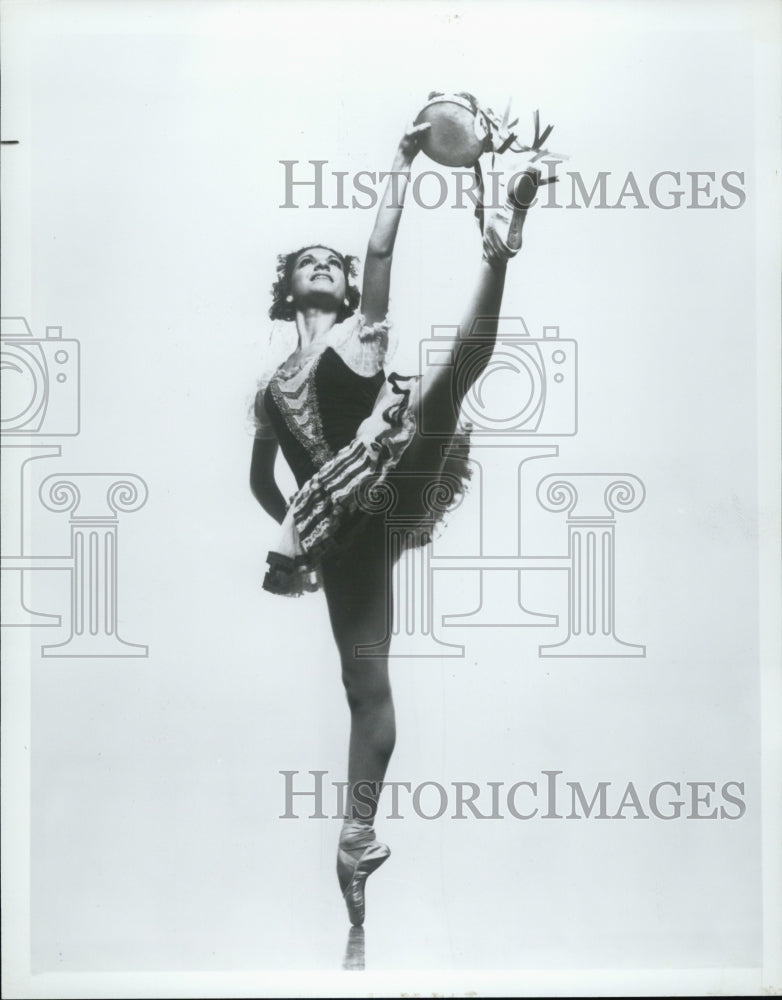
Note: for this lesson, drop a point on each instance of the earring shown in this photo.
(289, 298)
(346, 301)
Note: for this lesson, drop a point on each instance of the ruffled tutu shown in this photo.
(333, 506)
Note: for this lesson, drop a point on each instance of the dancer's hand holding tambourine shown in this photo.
(410, 143)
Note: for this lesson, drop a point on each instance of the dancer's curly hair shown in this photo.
(281, 309)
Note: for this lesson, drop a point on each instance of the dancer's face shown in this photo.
(318, 279)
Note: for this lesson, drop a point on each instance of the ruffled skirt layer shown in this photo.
(332, 507)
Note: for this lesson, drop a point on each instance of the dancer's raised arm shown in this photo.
(377, 266)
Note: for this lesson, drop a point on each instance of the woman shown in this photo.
(346, 430)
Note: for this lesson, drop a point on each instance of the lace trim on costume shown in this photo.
(365, 348)
(294, 394)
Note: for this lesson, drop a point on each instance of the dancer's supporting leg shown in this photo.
(358, 592)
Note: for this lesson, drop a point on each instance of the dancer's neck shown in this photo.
(312, 326)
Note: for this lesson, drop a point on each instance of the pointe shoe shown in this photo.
(503, 227)
(353, 869)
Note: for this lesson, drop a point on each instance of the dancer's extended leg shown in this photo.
(443, 387)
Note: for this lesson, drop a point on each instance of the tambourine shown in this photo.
(459, 130)
(462, 130)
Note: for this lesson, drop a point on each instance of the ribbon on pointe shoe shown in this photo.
(500, 140)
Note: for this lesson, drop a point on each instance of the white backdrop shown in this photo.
(145, 218)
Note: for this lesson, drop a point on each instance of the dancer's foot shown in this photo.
(503, 227)
(359, 854)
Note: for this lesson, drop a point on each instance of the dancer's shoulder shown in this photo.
(363, 346)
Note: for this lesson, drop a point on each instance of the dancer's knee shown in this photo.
(366, 687)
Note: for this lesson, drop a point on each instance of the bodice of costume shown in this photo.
(317, 411)
(315, 406)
